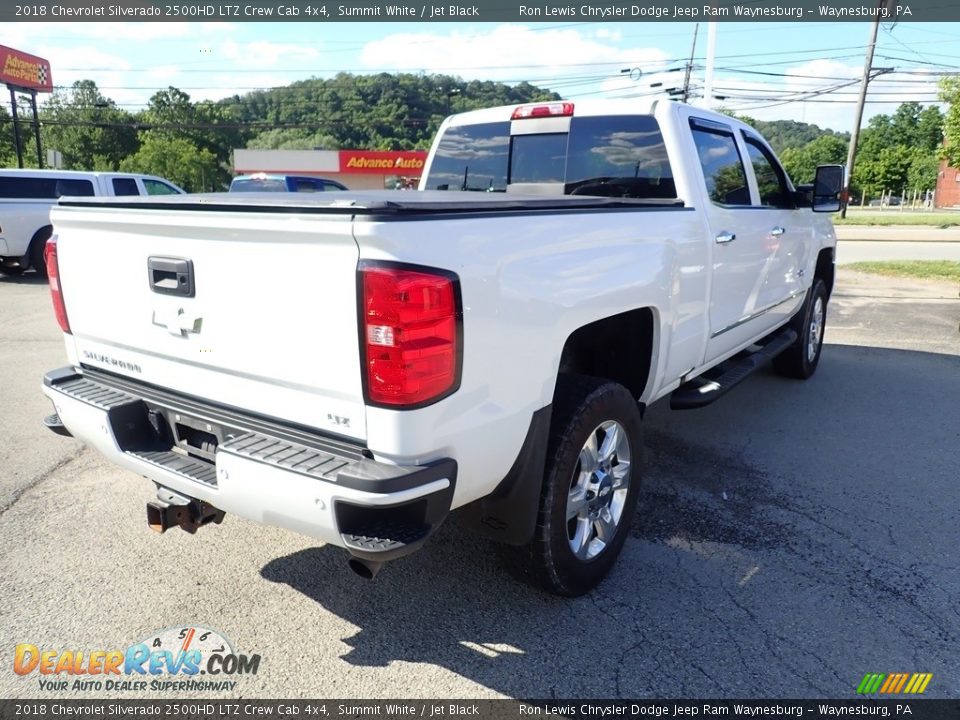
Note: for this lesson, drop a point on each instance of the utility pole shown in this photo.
(693, 52)
(855, 134)
(711, 61)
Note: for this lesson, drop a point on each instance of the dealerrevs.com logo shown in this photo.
(176, 659)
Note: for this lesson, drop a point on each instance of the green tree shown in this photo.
(8, 154)
(284, 139)
(922, 171)
(87, 127)
(377, 112)
(209, 127)
(888, 170)
(930, 128)
(950, 94)
(801, 162)
(178, 159)
(915, 126)
(899, 152)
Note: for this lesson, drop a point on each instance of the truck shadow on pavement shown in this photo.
(775, 530)
(28, 278)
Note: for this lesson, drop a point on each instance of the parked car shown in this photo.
(265, 182)
(26, 197)
(489, 352)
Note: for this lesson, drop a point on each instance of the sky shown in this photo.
(806, 71)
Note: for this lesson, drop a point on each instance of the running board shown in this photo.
(702, 391)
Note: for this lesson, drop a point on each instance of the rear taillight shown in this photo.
(53, 274)
(412, 334)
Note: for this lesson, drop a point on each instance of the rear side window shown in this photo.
(47, 188)
(125, 186)
(722, 167)
(156, 187)
(473, 157)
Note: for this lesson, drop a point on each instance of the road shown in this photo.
(859, 242)
(790, 538)
(899, 233)
(849, 251)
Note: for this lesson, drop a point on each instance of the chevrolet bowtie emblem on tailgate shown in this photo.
(177, 322)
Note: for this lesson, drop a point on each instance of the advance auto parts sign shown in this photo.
(382, 162)
(25, 71)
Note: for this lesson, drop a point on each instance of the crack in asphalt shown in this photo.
(878, 583)
(42, 477)
(681, 504)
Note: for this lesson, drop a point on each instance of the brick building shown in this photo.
(948, 187)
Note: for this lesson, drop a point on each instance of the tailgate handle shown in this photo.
(171, 276)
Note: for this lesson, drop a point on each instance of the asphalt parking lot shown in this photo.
(790, 538)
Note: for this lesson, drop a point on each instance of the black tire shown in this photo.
(800, 360)
(586, 407)
(37, 247)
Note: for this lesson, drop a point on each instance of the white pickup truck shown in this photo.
(356, 366)
(26, 197)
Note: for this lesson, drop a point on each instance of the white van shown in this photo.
(27, 195)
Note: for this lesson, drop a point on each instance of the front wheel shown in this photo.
(800, 360)
(591, 485)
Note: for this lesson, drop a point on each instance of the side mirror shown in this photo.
(827, 187)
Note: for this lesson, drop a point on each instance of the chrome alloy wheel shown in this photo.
(598, 490)
(815, 334)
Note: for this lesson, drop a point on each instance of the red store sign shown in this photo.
(25, 71)
(382, 162)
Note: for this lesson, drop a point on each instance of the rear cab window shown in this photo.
(45, 188)
(306, 185)
(258, 185)
(607, 156)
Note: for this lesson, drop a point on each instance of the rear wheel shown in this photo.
(37, 247)
(591, 485)
(801, 359)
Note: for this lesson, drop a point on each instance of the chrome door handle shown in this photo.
(726, 237)
(777, 231)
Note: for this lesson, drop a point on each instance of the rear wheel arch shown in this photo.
(620, 348)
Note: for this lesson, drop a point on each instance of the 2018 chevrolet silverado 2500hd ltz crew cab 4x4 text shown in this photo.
(26, 197)
(486, 352)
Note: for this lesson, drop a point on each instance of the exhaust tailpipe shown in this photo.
(366, 569)
(191, 516)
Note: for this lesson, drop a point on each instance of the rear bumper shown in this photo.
(254, 467)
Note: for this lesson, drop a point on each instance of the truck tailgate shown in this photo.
(271, 326)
